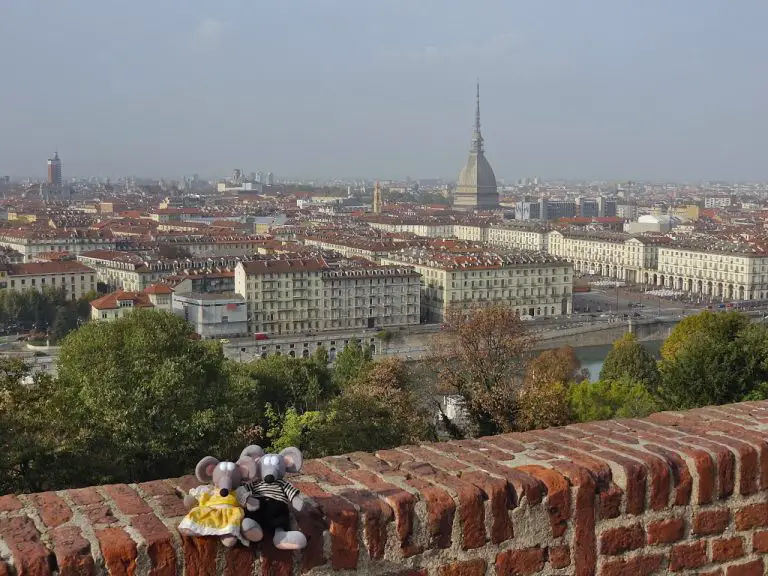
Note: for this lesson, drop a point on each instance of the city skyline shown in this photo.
(602, 91)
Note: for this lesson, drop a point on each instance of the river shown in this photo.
(592, 357)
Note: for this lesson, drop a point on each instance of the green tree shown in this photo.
(606, 399)
(716, 367)
(139, 398)
(28, 462)
(722, 326)
(381, 408)
(66, 321)
(629, 358)
(350, 363)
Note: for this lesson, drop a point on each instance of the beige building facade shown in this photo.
(534, 284)
(74, 278)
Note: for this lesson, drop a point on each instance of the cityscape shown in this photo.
(307, 289)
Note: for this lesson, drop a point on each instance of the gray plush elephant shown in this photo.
(271, 497)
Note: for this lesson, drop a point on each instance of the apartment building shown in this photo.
(32, 242)
(370, 249)
(133, 272)
(533, 283)
(291, 296)
(719, 270)
(117, 304)
(74, 278)
(532, 238)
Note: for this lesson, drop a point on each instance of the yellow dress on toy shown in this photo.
(214, 515)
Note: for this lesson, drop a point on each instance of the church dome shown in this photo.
(476, 187)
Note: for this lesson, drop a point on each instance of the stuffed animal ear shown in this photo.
(204, 469)
(247, 468)
(293, 459)
(253, 451)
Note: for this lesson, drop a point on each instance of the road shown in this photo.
(606, 300)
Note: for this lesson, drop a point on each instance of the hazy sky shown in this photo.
(610, 89)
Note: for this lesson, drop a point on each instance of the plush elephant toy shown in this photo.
(217, 508)
(270, 495)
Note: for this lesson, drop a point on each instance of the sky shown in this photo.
(587, 89)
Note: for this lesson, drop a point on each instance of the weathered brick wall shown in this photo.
(676, 493)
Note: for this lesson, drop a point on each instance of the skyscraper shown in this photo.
(54, 171)
(476, 187)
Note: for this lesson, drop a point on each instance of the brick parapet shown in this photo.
(678, 492)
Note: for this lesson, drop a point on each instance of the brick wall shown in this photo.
(676, 493)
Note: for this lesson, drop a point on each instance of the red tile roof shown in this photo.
(42, 268)
(158, 289)
(112, 301)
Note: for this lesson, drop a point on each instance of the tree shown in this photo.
(138, 398)
(629, 358)
(481, 356)
(66, 321)
(723, 326)
(380, 409)
(606, 399)
(716, 367)
(351, 362)
(28, 462)
(543, 399)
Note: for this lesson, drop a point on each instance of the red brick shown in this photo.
(711, 521)
(312, 524)
(9, 503)
(170, 506)
(497, 491)
(199, 556)
(53, 510)
(341, 463)
(5, 570)
(754, 568)
(238, 561)
(610, 502)
(369, 461)
(401, 502)
(73, 552)
(749, 468)
(343, 520)
(558, 497)
(520, 562)
(657, 475)
(471, 510)
(438, 460)
(619, 540)
(639, 565)
(323, 473)
(157, 488)
(635, 474)
(686, 556)
(275, 562)
(485, 450)
(705, 466)
(726, 549)
(726, 464)
(85, 496)
(559, 556)
(752, 516)
(119, 551)
(760, 541)
(30, 557)
(681, 476)
(186, 483)
(376, 515)
(584, 540)
(666, 531)
(471, 568)
(715, 572)
(504, 441)
(126, 499)
(99, 515)
(440, 512)
(159, 544)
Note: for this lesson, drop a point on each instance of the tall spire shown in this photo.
(477, 136)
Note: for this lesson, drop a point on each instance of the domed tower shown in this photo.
(476, 187)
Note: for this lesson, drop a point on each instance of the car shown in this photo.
(260, 336)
